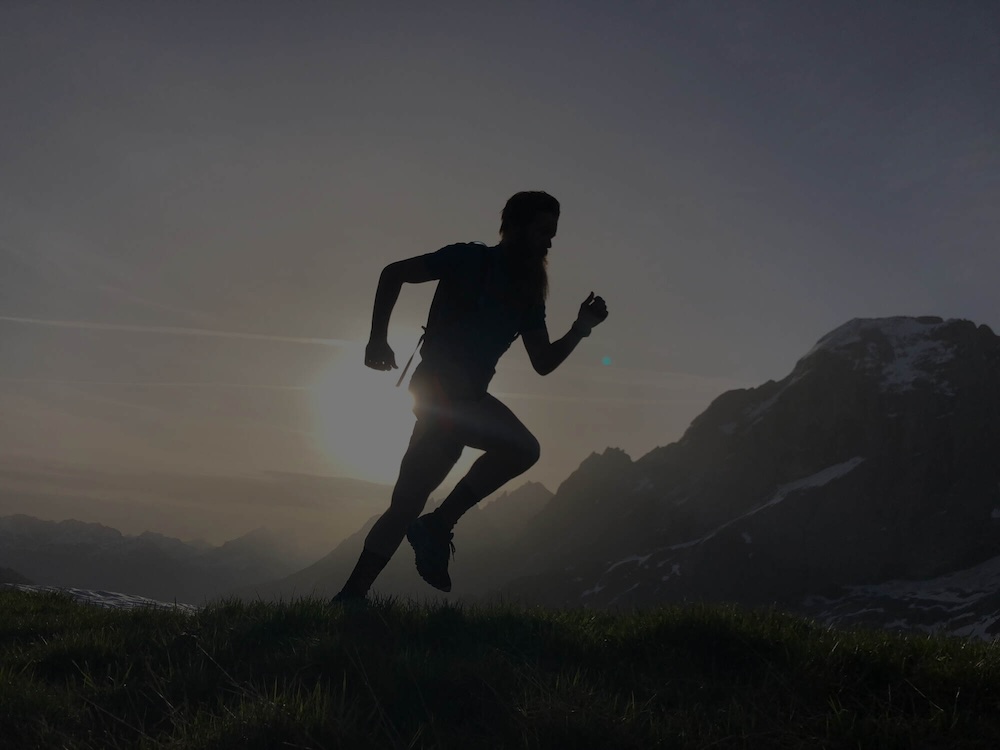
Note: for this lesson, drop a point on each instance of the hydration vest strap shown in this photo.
(410, 360)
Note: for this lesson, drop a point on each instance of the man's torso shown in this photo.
(474, 318)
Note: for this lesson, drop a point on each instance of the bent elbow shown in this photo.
(392, 276)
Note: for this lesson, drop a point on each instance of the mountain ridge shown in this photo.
(869, 397)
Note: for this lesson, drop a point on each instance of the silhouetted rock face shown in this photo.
(588, 513)
(509, 514)
(875, 459)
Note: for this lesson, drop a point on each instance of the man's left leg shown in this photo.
(510, 450)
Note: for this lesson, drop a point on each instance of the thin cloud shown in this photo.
(85, 268)
(631, 376)
(155, 384)
(599, 399)
(265, 386)
(175, 331)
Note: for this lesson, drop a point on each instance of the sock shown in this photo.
(369, 565)
(460, 500)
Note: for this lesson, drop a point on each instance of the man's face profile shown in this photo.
(538, 234)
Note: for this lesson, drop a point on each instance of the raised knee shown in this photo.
(531, 452)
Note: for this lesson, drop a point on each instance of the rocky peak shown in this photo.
(856, 370)
(900, 353)
(596, 467)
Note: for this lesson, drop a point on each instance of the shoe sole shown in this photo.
(419, 533)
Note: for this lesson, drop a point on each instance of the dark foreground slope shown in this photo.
(310, 675)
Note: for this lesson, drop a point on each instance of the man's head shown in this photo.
(527, 225)
(529, 221)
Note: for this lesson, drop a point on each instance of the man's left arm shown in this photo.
(546, 356)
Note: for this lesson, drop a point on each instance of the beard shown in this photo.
(529, 268)
(523, 255)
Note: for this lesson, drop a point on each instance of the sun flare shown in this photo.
(362, 418)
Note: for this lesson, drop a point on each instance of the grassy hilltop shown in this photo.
(307, 674)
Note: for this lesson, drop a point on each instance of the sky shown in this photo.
(196, 201)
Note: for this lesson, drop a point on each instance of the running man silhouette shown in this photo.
(486, 297)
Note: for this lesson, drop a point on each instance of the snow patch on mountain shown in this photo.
(632, 558)
(590, 592)
(902, 350)
(911, 365)
(675, 570)
(814, 480)
(818, 479)
(643, 485)
(961, 588)
(631, 588)
(947, 604)
(107, 599)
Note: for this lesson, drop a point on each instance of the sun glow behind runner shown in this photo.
(362, 420)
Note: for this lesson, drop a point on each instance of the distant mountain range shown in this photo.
(312, 512)
(92, 556)
(863, 487)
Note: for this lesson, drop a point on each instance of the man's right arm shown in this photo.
(414, 270)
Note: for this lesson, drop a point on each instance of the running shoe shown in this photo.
(431, 545)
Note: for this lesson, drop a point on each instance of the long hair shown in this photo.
(521, 208)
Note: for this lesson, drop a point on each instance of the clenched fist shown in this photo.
(379, 355)
(593, 312)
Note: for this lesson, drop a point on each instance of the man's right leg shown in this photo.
(427, 461)
(510, 450)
